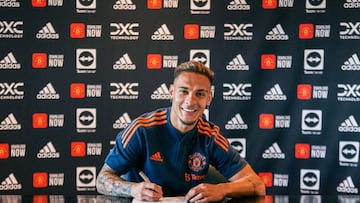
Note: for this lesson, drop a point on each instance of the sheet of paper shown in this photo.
(164, 199)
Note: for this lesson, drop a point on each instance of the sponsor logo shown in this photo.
(4, 151)
(124, 91)
(306, 151)
(42, 60)
(348, 153)
(349, 125)
(162, 33)
(86, 60)
(201, 55)
(170, 61)
(238, 32)
(161, 92)
(352, 63)
(347, 186)
(11, 91)
(313, 61)
(124, 31)
(10, 123)
(277, 33)
(267, 178)
(281, 180)
(40, 180)
(10, 183)
(80, 30)
(156, 157)
(311, 122)
(302, 151)
(44, 3)
(44, 120)
(271, 61)
(315, 6)
(86, 120)
(9, 4)
(348, 92)
(239, 144)
(200, 7)
(266, 121)
(48, 92)
(80, 149)
(275, 93)
(195, 31)
(309, 181)
(307, 92)
(273, 4)
(48, 152)
(349, 4)
(237, 91)
(11, 29)
(124, 5)
(85, 178)
(124, 63)
(85, 6)
(350, 30)
(17, 150)
(154, 61)
(122, 121)
(236, 123)
(238, 5)
(273, 152)
(9, 62)
(310, 31)
(80, 90)
(237, 63)
(47, 32)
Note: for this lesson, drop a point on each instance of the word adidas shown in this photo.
(48, 152)
(48, 92)
(9, 4)
(277, 33)
(275, 93)
(238, 5)
(347, 186)
(161, 92)
(9, 62)
(124, 5)
(10, 123)
(122, 121)
(352, 4)
(273, 152)
(349, 125)
(162, 33)
(236, 123)
(352, 63)
(10, 183)
(47, 32)
(124, 63)
(237, 63)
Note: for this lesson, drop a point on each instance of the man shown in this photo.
(174, 147)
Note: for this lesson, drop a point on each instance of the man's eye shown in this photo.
(201, 94)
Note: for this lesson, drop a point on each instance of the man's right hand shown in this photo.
(146, 191)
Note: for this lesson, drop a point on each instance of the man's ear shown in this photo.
(171, 91)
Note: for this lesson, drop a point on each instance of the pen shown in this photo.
(143, 176)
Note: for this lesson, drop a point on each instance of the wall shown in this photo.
(74, 73)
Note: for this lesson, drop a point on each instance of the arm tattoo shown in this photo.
(109, 183)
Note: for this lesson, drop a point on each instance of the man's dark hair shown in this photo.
(194, 67)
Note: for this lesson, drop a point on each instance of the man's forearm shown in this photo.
(109, 183)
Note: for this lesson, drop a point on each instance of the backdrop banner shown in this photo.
(75, 73)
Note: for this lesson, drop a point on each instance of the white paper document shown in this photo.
(164, 199)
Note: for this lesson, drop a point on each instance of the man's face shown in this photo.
(190, 94)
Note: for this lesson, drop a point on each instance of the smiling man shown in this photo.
(174, 147)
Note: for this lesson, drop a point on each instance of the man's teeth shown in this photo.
(189, 110)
